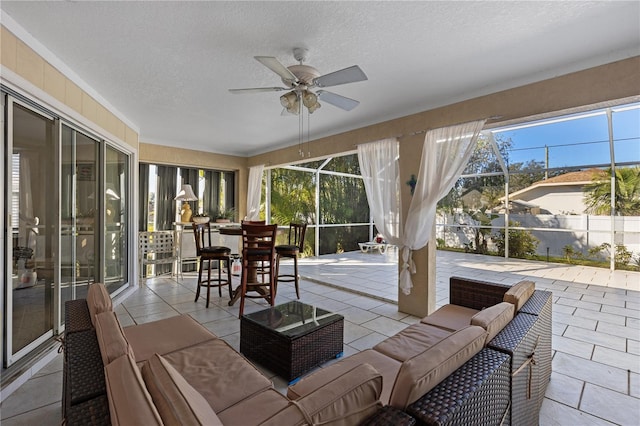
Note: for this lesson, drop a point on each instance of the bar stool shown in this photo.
(208, 253)
(291, 250)
(258, 255)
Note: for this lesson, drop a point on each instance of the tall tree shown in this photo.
(483, 160)
(292, 196)
(627, 193)
(522, 175)
(342, 200)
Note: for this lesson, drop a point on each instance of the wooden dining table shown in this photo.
(236, 231)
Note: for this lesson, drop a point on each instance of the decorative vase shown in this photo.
(185, 213)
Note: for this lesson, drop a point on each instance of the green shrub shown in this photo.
(595, 252)
(521, 242)
(568, 252)
(623, 255)
(571, 254)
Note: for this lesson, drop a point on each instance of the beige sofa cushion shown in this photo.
(347, 400)
(494, 318)
(450, 317)
(290, 415)
(219, 373)
(111, 339)
(177, 402)
(423, 372)
(98, 300)
(165, 336)
(386, 366)
(411, 341)
(520, 293)
(255, 409)
(129, 401)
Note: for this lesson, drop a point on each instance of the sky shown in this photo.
(580, 141)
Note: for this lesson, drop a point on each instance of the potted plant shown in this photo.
(225, 215)
(200, 218)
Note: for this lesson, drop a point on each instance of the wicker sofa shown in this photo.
(483, 359)
(174, 371)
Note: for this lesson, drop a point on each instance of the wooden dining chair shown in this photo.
(258, 254)
(207, 255)
(258, 271)
(291, 250)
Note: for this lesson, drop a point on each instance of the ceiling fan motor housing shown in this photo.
(304, 73)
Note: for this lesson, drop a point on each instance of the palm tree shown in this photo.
(627, 192)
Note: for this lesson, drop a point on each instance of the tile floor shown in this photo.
(596, 328)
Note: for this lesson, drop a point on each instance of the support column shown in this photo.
(422, 300)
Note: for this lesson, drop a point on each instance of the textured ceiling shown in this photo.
(166, 66)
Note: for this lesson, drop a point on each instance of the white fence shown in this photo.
(554, 232)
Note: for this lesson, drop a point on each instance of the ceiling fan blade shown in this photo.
(347, 75)
(340, 101)
(276, 66)
(258, 90)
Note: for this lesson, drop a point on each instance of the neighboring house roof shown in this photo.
(470, 190)
(521, 206)
(524, 203)
(582, 177)
(471, 193)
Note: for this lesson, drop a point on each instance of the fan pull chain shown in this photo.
(308, 134)
(300, 129)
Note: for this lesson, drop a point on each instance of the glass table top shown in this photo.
(293, 319)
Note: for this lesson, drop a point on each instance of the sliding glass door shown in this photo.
(79, 218)
(32, 224)
(94, 215)
(116, 214)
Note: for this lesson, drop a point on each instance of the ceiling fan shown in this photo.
(301, 79)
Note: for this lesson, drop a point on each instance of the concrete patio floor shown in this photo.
(369, 274)
(596, 327)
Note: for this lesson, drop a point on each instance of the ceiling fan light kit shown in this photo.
(290, 101)
(301, 79)
(310, 100)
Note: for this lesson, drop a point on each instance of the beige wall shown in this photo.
(160, 154)
(615, 81)
(16, 56)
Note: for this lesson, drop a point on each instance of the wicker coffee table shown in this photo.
(292, 338)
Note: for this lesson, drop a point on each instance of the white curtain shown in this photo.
(379, 169)
(254, 192)
(445, 154)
